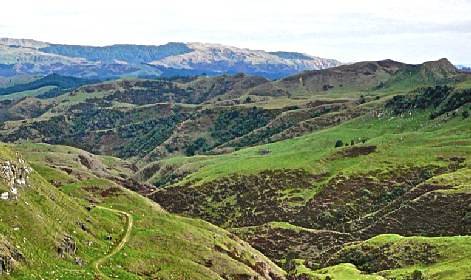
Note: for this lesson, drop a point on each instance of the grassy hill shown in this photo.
(394, 256)
(48, 219)
(402, 168)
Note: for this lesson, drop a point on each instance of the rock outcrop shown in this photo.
(9, 256)
(14, 173)
(66, 247)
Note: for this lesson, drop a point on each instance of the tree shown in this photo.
(339, 143)
(198, 145)
(465, 114)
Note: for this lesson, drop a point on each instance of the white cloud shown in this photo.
(408, 30)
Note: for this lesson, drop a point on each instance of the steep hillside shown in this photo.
(91, 227)
(401, 168)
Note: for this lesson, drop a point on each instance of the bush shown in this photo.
(417, 275)
(425, 98)
(338, 144)
(290, 263)
(198, 145)
(465, 114)
(237, 122)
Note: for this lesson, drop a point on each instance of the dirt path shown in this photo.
(119, 247)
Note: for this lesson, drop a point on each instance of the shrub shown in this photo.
(290, 264)
(425, 98)
(237, 122)
(417, 275)
(338, 144)
(198, 145)
(465, 114)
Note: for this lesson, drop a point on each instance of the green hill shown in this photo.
(402, 168)
(62, 231)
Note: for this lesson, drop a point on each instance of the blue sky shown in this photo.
(411, 31)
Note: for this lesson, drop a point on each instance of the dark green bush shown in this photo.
(338, 143)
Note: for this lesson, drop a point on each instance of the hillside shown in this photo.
(71, 212)
(155, 119)
(20, 56)
(58, 85)
(371, 75)
(403, 169)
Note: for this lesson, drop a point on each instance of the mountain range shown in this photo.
(22, 56)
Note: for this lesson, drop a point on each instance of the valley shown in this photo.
(359, 171)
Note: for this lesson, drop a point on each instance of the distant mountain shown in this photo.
(464, 68)
(23, 56)
(224, 59)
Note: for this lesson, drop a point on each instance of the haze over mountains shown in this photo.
(24, 56)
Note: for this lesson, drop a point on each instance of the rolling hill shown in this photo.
(360, 171)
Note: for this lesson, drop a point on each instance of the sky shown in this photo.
(411, 31)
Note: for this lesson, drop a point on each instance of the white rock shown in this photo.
(4, 196)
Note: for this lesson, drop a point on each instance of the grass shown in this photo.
(27, 93)
(460, 180)
(454, 255)
(344, 271)
(276, 225)
(162, 245)
(37, 222)
(404, 140)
